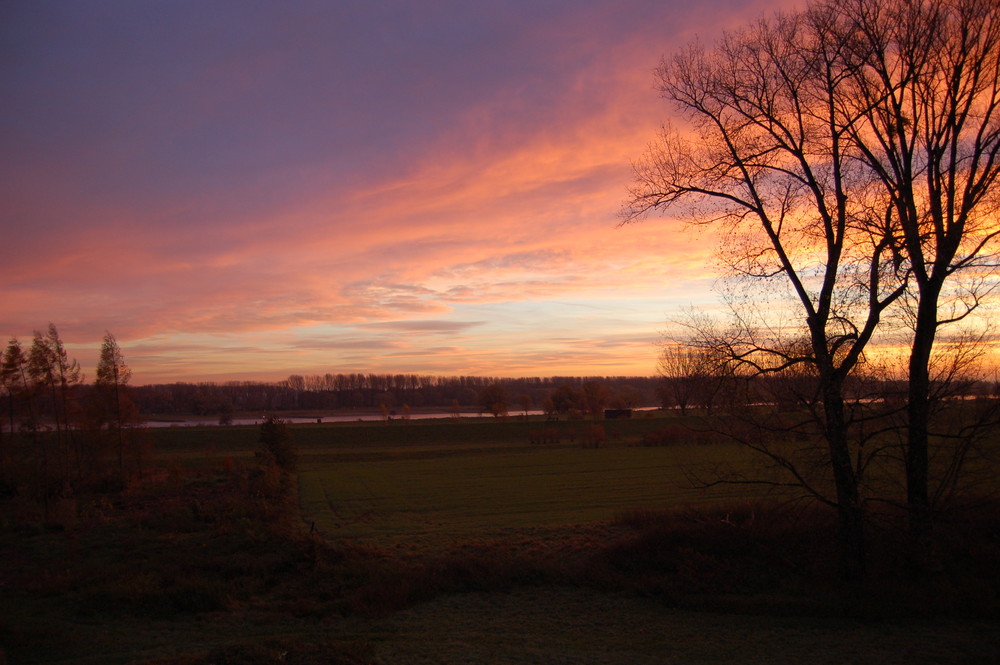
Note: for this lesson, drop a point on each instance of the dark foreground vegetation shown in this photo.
(206, 559)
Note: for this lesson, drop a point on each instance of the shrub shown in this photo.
(278, 443)
(545, 435)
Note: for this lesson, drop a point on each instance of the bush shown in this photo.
(277, 441)
(544, 435)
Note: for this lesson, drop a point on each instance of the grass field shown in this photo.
(426, 495)
(380, 437)
(437, 481)
(468, 542)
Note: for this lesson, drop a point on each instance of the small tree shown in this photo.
(689, 376)
(627, 397)
(42, 373)
(565, 398)
(596, 396)
(68, 378)
(269, 483)
(13, 373)
(112, 382)
(15, 381)
(524, 399)
(494, 399)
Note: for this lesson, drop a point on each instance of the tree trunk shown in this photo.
(853, 555)
(121, 438)
(917, 438)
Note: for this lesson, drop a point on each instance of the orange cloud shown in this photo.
(462, 244)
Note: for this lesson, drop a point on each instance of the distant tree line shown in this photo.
(697, 380)
(392, 392)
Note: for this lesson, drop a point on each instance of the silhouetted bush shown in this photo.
(278, 443)
(544, 435)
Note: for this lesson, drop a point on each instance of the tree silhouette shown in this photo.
(926, 77)
(112, 379)
(494, 399)
(765, 153)
(849, 154)
(595, 396)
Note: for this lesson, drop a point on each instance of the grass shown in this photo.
(448, 543)
(432, 496)
(379, 437)
(439, 480)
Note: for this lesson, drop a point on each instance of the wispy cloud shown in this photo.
(266, 190)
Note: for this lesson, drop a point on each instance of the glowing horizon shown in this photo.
(242, 191)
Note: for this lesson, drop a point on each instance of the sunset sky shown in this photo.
(247, 190)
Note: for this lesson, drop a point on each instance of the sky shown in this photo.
(243, 190)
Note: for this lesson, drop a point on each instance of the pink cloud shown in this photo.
(188, 220)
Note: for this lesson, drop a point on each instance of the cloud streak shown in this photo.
(253, 189)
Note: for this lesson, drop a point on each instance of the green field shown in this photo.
(378, 437)
(434, 482)
(433, 495)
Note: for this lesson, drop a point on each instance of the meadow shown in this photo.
(432, 482)
(480, 540)
(433, 495)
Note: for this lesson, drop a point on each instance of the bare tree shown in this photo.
(693, 376)
(764, 151)
(524, 400)
(926, 76)
(595, 395)
(680, 369)
(855, 125)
